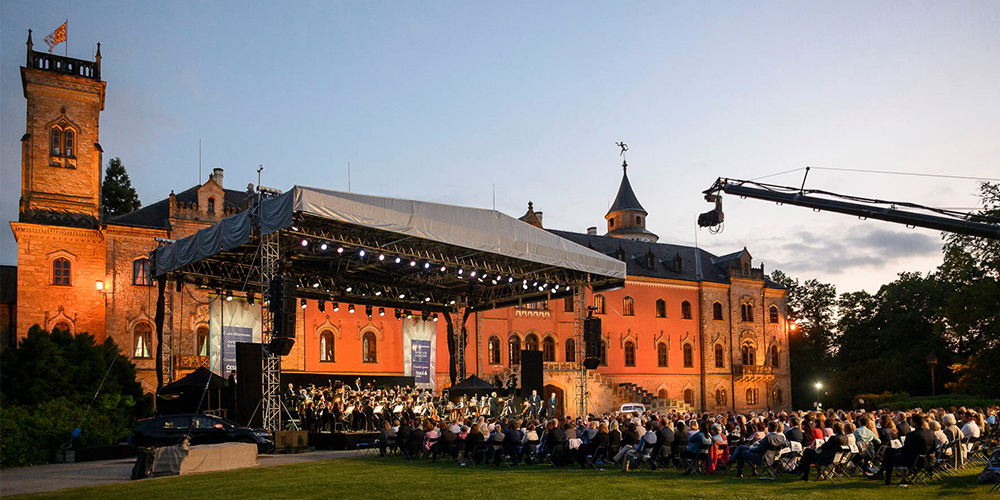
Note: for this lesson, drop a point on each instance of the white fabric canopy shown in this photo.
(472, 228)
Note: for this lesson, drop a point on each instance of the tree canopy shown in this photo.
(117, 194)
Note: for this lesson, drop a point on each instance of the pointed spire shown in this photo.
(31, 50)
(98, 56)
(530, 217)
(30, 45)
(626, 199)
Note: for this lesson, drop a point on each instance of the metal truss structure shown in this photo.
(579, 315)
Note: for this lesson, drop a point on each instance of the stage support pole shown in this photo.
(270, 255)
(579, 315)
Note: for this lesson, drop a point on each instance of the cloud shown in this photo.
(838, 251)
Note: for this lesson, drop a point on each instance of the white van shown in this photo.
(633, 407)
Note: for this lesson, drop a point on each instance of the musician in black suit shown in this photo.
(494, 405)
(919, 442)
(534, 404)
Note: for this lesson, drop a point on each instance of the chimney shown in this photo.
(592, 230)
(217, 176)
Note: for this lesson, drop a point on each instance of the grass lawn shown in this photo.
(364, 478)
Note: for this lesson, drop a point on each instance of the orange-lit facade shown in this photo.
(688, 327)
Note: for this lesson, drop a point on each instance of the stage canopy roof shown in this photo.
(373, 250)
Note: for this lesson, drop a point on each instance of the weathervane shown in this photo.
(622, 154)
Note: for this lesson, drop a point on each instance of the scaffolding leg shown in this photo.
(271, 363)
(579, 315)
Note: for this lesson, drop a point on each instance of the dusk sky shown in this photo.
(440, 101)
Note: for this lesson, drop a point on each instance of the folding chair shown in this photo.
(770, 472)
(597, 458)
(790, 456)
(828, 471)
(641, 460)
(695, 465)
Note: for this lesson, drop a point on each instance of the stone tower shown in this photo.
(60, 152)
(626, 218)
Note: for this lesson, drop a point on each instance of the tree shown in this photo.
(117, 194)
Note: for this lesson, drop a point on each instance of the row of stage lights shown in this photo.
(481, 276)
(399, 313)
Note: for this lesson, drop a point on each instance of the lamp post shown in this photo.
(932, 360)
(819, 387)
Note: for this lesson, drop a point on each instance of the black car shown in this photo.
(203, 429)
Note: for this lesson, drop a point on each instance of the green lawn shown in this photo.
(364, 478)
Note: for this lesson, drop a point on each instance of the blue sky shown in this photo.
(441, 101)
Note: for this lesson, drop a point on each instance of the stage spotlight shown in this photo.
(427, 265)
(381, 311)
(413, 263)
(229, 296)
(556, 288)
(510, 279)
(499, 277)
(349, 289)
(443, 269)
(361, 253)
(398, 314)
(305, 242)
(473, 274)
(402, 295)
(336, 307)
(316, 285)
(398, 260)
(460, 271)
(368, 311)
(303, 303)
(409, 314)
(324, 246)
(525, 286)
(350, 308)
(378, 293)
(381, 257)
(340, 249)
(541, 289)
(321, 304)
(534, 284)
(434, 317)
(494, 282)
(452, 302)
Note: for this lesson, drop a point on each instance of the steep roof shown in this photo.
(626, 199)
(156, 215)
(664, 256)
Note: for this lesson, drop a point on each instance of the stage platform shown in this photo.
(341, 440)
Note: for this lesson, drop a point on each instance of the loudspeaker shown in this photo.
(531, 372)
(592, 341)
(248, 384)
(280, 346)
(281, 302)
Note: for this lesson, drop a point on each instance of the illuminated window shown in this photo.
(629, 353)
(69, 138)
(514, 345)
(60, 272)
(598, 304)
(548, 349)
(661, 308)
(327, 347)
(688, 356)
(661, 354)
(686, 310)
(628, 307)
(773, 314)
(493, 348)
(531, 342)
(748, 354)
(753, 397)
(720, 397)
(570, 351)
(720, 359)
(142, 343)
(201, 341)
(141, 275)
(369, 348)
(776, 396)
(717, 311)
(55, 141)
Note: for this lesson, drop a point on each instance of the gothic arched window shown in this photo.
(748, 354)
(720, 397)
(720, 358)
(62, 326)
(548, 349)
(686, 310)
(774, 356)
(55, 141)
(689, 397)
(141, 275)
(688, 356)
(570, 351)
(493, 348)
(142, 340)
(369, 348)
(69, 139)
(531, 342)
(628, 307)
(661, 308)
(661, 354)
(598, 304)
(201, 341)
(604, 353)
(629, 353)
(773, 314)
(327, 348)
(515, 350)
(717, 311)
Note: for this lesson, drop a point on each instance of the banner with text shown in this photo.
(231, 322)
(419, 351)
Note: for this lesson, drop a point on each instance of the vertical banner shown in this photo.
(231, 321)
(419, 351)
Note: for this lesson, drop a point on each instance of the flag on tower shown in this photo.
(56, 37)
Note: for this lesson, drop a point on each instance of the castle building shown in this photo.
(688, 328)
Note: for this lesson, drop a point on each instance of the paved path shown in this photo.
(54, 477)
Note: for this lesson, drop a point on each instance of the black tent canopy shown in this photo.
(471, 386)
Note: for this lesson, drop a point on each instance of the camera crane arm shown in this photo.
(864, 208)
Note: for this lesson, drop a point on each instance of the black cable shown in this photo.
(915, 174)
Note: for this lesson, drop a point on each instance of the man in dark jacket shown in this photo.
(511, 441)
(919, 442)
(826, 453)
(761, 453)
(794, 432)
